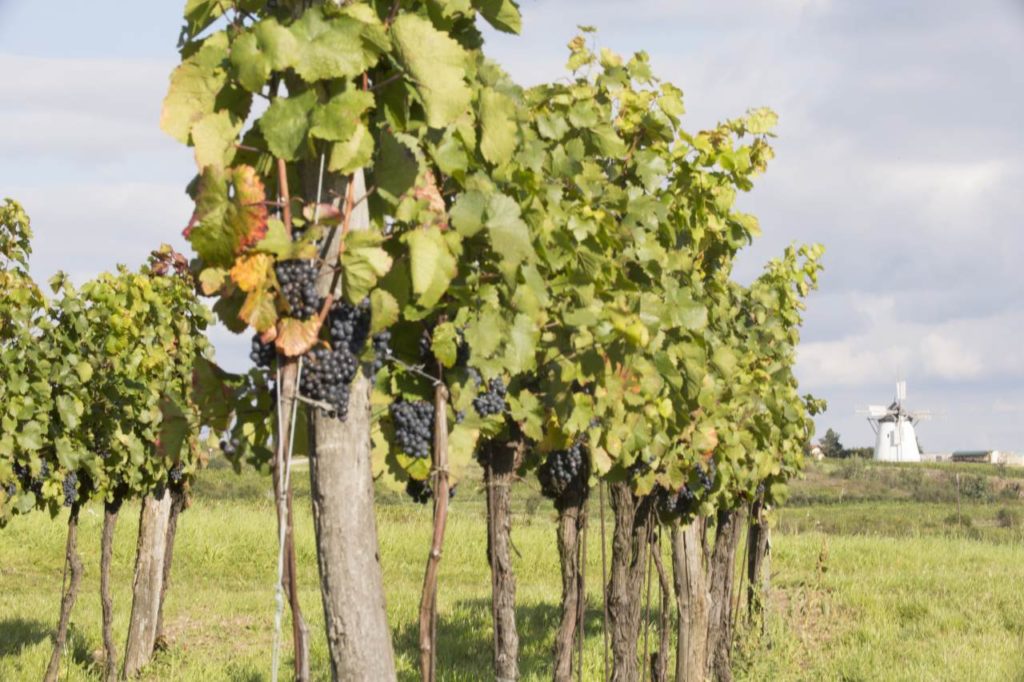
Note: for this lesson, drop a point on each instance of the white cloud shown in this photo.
(947, 358)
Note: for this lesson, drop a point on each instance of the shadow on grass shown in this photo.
(17, 633)
(466, 645)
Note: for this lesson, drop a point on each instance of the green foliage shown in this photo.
(573, 240)
(96, 383)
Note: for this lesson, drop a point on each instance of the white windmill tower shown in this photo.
(895, 438)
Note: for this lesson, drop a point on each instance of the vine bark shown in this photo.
(428, 603)
(571, 520)
(693, 600)
(341, 488)
(147, 586)
(630, 539)
(106, 556)
(501, 460)
(74, 562)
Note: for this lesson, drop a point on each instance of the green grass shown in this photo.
(874, 584)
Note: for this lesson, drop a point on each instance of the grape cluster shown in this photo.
(176, 475)
(493, 400)
(684, 501)
(327, 375)
(706, 476)
(562, 471)
(640, 467)
(349, 325)
(28, 482)
(421, 492)
(381, 350)
(414, 426)
(70, 490)
(676, 504)
(11, 488)
(426, 346)
(298, 285)
(262, 354)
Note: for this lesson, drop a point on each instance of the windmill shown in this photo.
(895, 438)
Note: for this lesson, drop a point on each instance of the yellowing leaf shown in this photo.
(295, 337)
(214, 137)
(259, 311)
(211, 280)
(230, 214)
(252, 271)
(195, 84)
(384, 309)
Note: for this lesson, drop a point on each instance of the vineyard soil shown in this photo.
(875, 586)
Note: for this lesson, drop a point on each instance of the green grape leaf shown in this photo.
(396, 168)
(351, 154)
(437, 65)
(432, 264)
(265, 47)
(363, 262)
(214, 137)
(338, 119)
(384, 310)
(498, 127)
(445, 344)
(84, 371)
(30, 437)
(331, 48)
(521, 348)
(501, 14)
(194, 87)
(285, 124)
(276, 241)
(510, 236)
(70, 410)
(174, 429)
(467, 213)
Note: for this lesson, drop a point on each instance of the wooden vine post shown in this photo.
(341, 488)
(428, 602)
(147, 586)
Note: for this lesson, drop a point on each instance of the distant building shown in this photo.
(816, 453)
(988, 457)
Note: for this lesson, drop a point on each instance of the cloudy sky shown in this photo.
(901, 148)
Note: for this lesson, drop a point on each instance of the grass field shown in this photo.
(875, 578)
